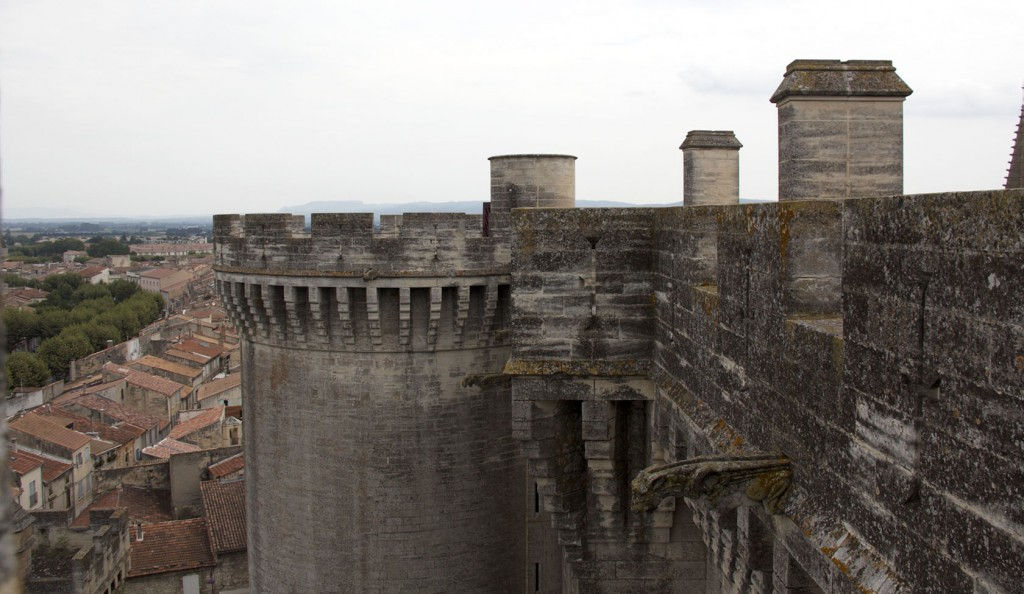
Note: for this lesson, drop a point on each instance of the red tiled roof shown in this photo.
(227, 466)
(141, 504)
(27, 293)
(200, 421)
(194, 346)
(217, 386)
(233, 411)
(159, 272)
(154, 383)
(117, 411)
(168, 446)
(100, 446)
(49, 430)
(91, 271)
(188, 356)
(170, 546)
(120, 433)
(224, 504)
(22, 464)
(51, 468)
(165, 365)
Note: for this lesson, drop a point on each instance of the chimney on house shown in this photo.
(711, 167)
(840, 129)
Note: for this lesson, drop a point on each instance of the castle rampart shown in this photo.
(874, 341)
(835, 378)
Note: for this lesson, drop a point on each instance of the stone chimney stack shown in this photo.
(711, 167)
(530, 181)
(840, 129)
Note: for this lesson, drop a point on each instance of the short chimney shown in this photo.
(840, 129)
(711, 167)
(529, 181)
(138, 532)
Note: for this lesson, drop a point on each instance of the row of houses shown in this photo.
(125, 413)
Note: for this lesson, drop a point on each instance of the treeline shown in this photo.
(21, 248)
(44, 250)
(75, 320)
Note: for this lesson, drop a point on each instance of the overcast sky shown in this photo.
(121, 107)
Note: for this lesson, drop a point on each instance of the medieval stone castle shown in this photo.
(820, 394)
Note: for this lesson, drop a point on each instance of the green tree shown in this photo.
(21, 324)
(122, 289)
(59, 351)
(124, 318)
(26, 369)
(105, 246)
(98, 333)
(61, 288)
(87, 291)
(52, 321)
(147, 306)
(13, 280)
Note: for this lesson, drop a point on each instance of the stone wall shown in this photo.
(150, 475)
(583, 322)
(346, 245)
(877, 343)
(185, 472)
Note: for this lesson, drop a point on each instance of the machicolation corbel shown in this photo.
(721, 479)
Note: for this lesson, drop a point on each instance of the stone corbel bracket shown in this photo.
(721, 479)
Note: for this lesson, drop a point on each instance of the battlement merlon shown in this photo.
(346, 244)
(837, 78)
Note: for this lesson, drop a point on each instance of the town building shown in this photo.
(41, 434)
(94, 275)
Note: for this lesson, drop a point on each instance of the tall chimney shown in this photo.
(711, 167)
(529, 181)
(840, 129)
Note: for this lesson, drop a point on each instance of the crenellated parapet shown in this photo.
(353, 314)
(348, 245)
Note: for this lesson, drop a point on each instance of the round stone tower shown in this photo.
(379, 452)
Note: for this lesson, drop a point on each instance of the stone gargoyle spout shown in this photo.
(761, 477)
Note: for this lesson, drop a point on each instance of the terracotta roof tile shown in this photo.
(154, 383)
(170, 546)
(167, 446)
(116, 411)
(194, 346)
(119, 433)
(22, 464)
(188, 356)
(49, 430)
(217, 386)
(141, 504)
(200, 421)
(27, 293)
(224, 504)
(169, 366)
(91, 271)
(51, 468)
(227, 466)
(159, 272)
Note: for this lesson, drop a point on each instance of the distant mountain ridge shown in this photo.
(471, 207)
